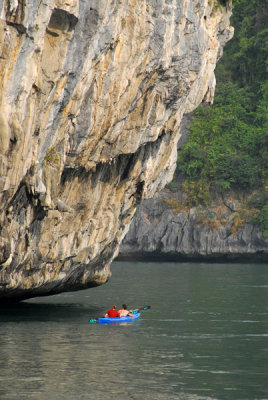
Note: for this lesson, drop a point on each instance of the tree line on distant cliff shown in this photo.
(227, 148)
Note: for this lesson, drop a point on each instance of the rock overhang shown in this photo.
(92, 97)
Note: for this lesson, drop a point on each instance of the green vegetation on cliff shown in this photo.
(227, 148)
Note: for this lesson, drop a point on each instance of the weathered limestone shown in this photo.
(92, 95)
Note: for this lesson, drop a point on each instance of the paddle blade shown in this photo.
(137, 310)
(93, 320)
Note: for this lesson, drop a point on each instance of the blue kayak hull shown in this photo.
(118, 320)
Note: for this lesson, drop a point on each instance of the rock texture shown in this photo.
(92, 95)
(161, 231)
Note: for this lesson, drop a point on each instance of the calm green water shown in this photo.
(206, 337)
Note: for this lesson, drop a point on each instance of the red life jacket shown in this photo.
(113, 313)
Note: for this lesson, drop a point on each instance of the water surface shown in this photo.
(205, 337)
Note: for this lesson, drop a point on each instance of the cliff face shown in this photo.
(92, 95)
(161, 231)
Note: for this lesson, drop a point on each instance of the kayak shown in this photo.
(107, 320)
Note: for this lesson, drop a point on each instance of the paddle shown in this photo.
(95, 320)
(140, 309)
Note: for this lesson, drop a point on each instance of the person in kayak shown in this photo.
(112, 313)
(124, 311)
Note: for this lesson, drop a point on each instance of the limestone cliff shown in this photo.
(92, 95)
(162, 230)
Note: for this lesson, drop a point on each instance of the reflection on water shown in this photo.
(26, 311)
(204, 338)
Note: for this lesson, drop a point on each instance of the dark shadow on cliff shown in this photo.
(47, 312)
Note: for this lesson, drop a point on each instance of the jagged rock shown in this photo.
(92, 95)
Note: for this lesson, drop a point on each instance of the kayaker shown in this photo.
(124, 311)
(112, 313)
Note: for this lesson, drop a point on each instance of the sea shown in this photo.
(205, 337)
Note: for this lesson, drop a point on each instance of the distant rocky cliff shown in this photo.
(216, 233)
(92, 95)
